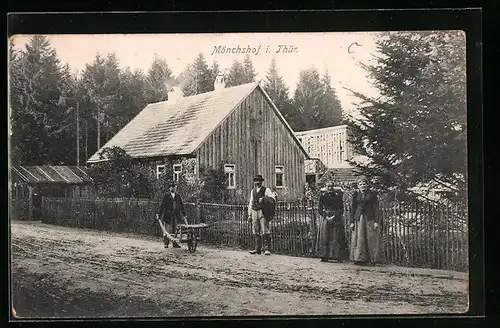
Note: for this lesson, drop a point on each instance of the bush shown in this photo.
(213, 185)
(118, 177)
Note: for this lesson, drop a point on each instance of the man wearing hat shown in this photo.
(259, 197)
(171, 211)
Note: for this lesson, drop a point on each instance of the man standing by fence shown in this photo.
(171, 211)
(260, 213)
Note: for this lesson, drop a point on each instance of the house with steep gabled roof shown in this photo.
(237, 127)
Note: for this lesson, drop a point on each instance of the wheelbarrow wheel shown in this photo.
(192, 243)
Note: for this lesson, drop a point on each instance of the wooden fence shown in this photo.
(415, 234)
(20, 209)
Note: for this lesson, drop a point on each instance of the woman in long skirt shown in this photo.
(366, 238)
(333, 243)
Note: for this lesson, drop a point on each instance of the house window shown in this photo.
(229, 170)
(177, 172)
(278, 170)
(160, 169)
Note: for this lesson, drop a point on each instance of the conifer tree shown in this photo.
(39, 83)
(308, 101)
(332, 109)
(277, 90)
(414, 133)
(249, 69)
(236, 75)
(197, 78)
(159, 75)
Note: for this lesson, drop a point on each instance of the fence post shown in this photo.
(198, 210)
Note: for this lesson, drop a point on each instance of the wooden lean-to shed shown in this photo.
(238, 128)
(29, 183)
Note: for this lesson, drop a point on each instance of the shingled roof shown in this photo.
(341, 175)
(180, 127)
(50, 174)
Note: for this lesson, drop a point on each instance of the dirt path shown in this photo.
(61, 272)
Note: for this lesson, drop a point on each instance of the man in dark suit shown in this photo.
(171, 212)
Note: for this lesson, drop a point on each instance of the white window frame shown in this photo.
(158, 169)
(176, 172)
(230, 170)
(277, 171)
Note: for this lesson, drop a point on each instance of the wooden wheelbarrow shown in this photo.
(185, 234)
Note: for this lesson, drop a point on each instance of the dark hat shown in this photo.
(258, 177)
(172, 184)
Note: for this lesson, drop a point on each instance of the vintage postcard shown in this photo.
(238, 174)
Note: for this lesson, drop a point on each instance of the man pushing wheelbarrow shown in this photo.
(170, 213)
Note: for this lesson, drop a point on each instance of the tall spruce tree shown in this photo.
(132, 96)
(278, 91)
(102, 98)
(197, 78)
(157, 80)
(248, 69)
(38, 83)
(236, 75)
(332, 109)
(309, 101)
(414, 133)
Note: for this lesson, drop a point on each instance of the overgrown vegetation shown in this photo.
(120, 177)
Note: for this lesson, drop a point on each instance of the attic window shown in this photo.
(177, 168)
(160, 169)
(279, 170)
(229, 170)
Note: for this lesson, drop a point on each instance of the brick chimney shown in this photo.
(220, 82)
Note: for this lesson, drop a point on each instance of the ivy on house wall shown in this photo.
(123, 177)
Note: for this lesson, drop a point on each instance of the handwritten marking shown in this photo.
(352, 44)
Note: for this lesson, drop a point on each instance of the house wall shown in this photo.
(152, 163)
(254, 139)
(330, 145)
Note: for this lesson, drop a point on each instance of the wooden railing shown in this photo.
(415, 233)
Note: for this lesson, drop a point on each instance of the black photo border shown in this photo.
(468, 20)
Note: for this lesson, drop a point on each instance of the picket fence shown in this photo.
(415, 234)
(20, 209)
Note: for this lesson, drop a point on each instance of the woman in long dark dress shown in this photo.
(366, 238)
(333, 243)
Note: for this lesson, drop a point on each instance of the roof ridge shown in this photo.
(205, 93)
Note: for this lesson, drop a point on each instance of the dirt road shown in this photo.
(65, 272)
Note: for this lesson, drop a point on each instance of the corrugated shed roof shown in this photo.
(50, 174)
(180, 127)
